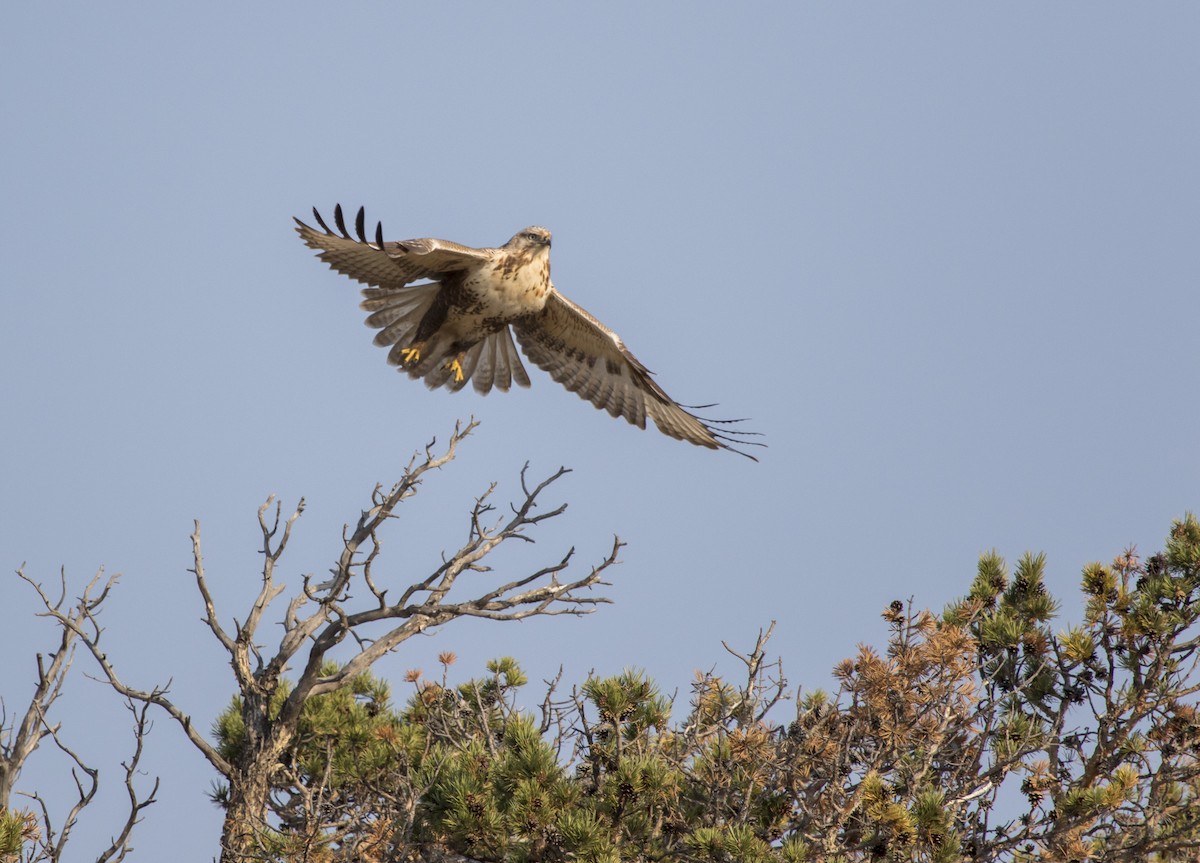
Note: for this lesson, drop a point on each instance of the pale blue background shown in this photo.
(944, 255)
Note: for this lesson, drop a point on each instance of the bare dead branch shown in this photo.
(54, 843)
(82, 622)
(210, 612)
(17, 744)
(120, 846)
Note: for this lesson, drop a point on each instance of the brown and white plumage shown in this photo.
(458, 326)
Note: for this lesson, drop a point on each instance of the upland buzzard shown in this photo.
(458, 326)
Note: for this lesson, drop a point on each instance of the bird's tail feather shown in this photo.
(511, 357)
(491, 363)
(485, 371)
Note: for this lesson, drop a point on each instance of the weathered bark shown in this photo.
(245, 814)
(250, 776)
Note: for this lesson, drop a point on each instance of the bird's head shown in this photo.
(532, 238)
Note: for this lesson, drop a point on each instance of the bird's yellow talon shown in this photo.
(458, 372)
(411, 355)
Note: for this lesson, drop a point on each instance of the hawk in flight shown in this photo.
(458, 325)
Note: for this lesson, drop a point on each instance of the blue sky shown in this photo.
(944, 256)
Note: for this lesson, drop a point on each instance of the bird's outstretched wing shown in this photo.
(588, 358)
(386, 265)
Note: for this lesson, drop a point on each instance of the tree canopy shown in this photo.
(986, 731)
(978, 733)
